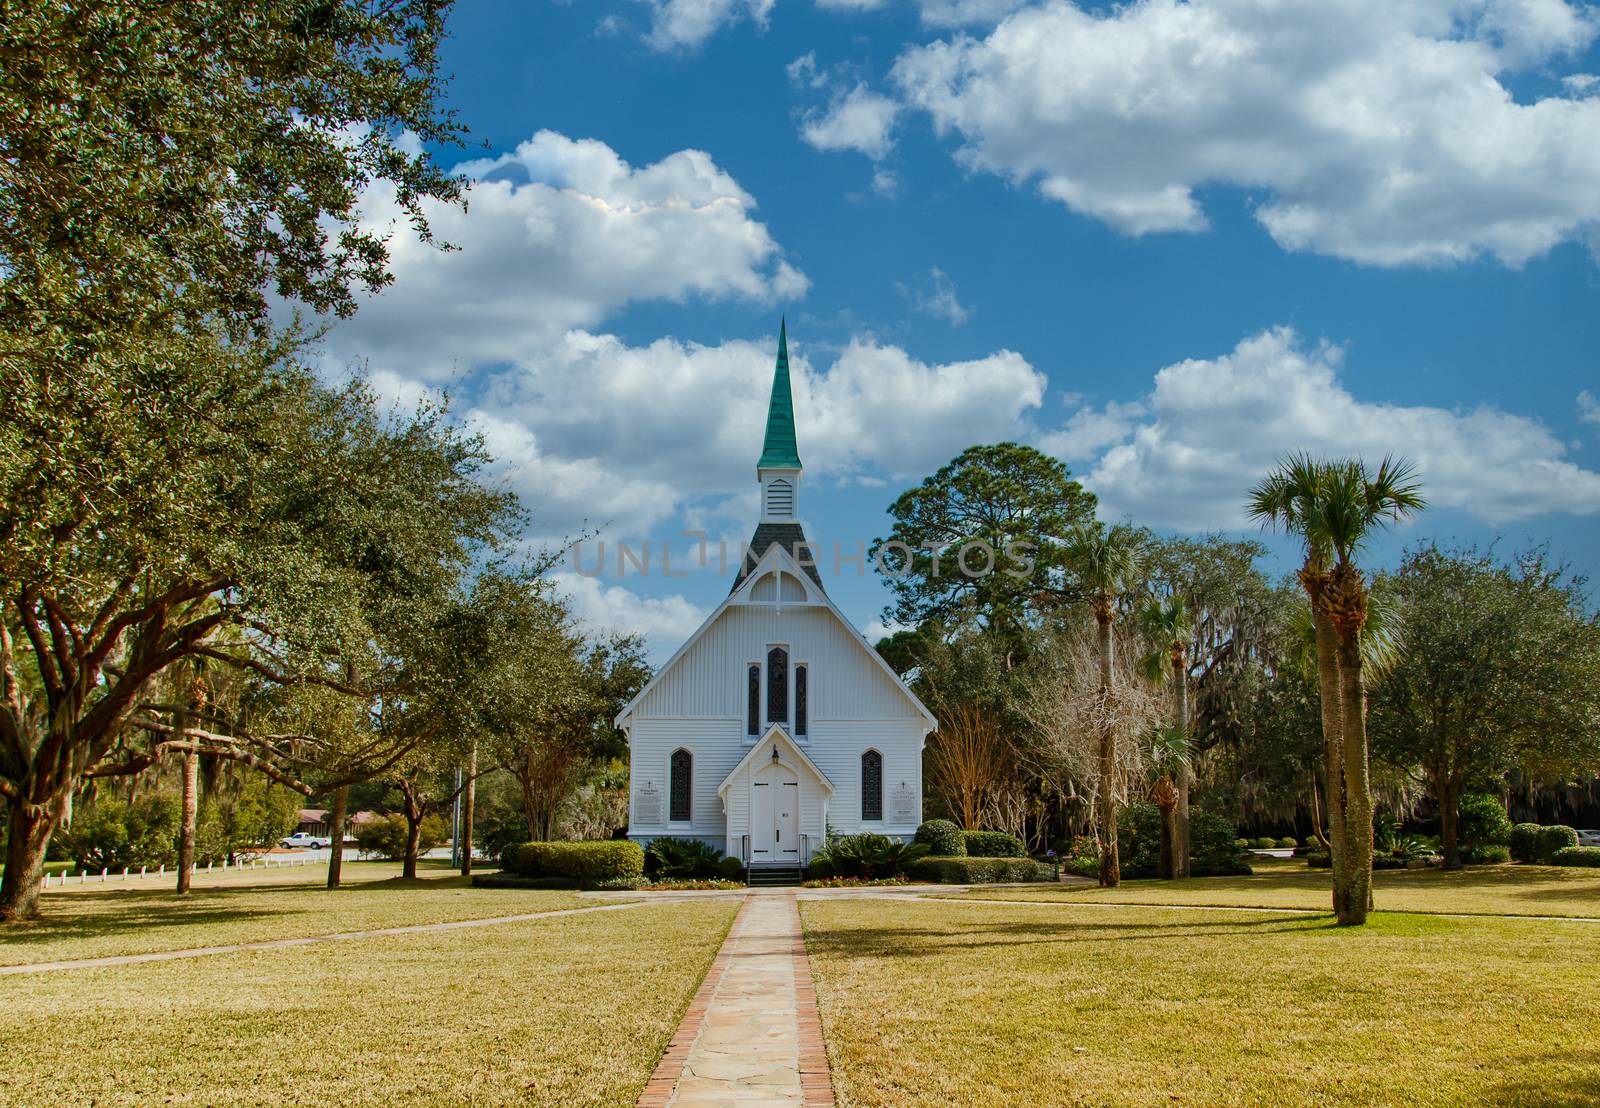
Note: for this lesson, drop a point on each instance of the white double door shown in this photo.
(775, 816)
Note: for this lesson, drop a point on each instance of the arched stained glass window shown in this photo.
(682, 781)
(753, 707)
(777, 685)
(801, 681)
(872, 785)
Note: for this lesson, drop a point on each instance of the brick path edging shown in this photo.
(816, 1080)
(658, 1090)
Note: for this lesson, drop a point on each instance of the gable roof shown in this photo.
(761, 747)
(776, 557)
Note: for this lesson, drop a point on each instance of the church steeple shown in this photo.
(780, 450)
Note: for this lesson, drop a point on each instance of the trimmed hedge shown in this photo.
(1555, 838)
(1524, 841)
(993, 844)
(598, 860)
(1577, 856)
(942, 838)
(963, 870)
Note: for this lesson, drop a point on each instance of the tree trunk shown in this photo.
(29, 829)
(1329, 685)
(191, 809)
(1166, 865)
(413, 813)
(1180, 719)
(1449, 820)
(1357, 787)
(336, 819)
(1317, 831)
(469, 800)
(530, 807)
(1110, 864)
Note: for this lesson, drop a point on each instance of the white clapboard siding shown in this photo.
(707, 681)
(717, 747)
(836, 747)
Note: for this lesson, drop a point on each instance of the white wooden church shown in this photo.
(777, 719)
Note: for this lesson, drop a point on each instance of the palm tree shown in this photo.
(1166, 754)
(1288, 498)
(1354, 503)
(1168, 624)
(1106, 563)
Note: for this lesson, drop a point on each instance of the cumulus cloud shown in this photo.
(664, 621)
(1363, 129)
(1589, 407)
(859, 119)
(598, 432)
(560, 234)
(1210, 428)
(936, 296)
(685, 24)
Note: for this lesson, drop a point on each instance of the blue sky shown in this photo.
(1167, 242)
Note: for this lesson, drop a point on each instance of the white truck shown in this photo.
(305, 840)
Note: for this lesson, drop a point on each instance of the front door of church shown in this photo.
(775, 816)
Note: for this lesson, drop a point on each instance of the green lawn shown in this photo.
(943, 1003)
(573, 1010)
(96, 921)
(1289, 883)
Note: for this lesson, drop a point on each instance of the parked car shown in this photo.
(1588, 836)
(303, 839)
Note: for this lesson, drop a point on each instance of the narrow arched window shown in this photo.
(872, 785)
(777, 685)
(682, 781)
(753, 701)
(801, 681)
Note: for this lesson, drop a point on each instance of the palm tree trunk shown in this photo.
(1166, 863)
(1357, 786)
(341, 803)
(191, 809)
(1110, 864)
(1180, 720)
(1329, 685)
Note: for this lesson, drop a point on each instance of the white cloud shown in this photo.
(936, 296)
(856, 120)
(1213, 427)
(1580, 83)
(685, 24)
(885, 183)
(1589, 407)
(1365, 129)
(560, 234)
(963, 13)
(597, 431)
(664, 621)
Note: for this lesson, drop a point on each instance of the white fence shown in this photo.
(83, 877)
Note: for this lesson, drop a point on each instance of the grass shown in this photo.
(978, 1004)
(574, 1010)
(97, 921)
(1289, 883)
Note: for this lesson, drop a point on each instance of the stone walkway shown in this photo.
(751, 1034)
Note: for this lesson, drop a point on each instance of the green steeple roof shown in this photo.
(779, 450)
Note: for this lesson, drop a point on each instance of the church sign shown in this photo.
(648, 804)
(903, 803)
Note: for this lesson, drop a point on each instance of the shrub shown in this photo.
(595, 860)
(1263, 843)
(1482, 821)
(503, 833)
(1242, 844)
(942, 837)
(730, 869)
(821, 867)
(385, 837)
(1524, 842)
(959, 870)
(1577, 856)
(116, 835)
(1287, 843)
(869, 855)
(1555, 838)
(1139, 839)
(1387, 861)
(1319, 859)
(681, 858)
(1487, 854)
(993, 844)
(1212, 849)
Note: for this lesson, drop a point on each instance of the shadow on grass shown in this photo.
(914, 942)
(1580, 1090)
(88, 915)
